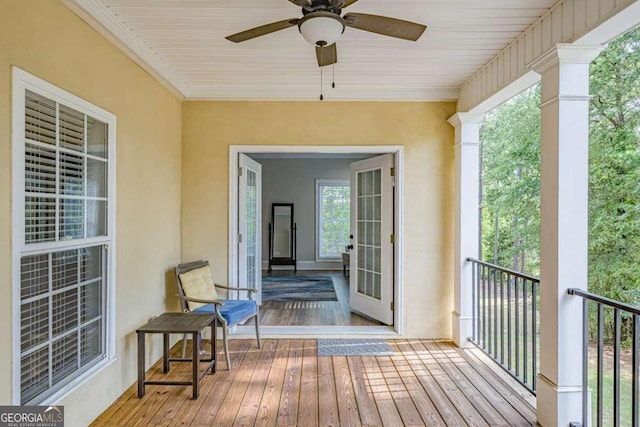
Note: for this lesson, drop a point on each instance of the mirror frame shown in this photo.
(291, 256)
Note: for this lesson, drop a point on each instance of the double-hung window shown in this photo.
(63, 203)
(332, 218)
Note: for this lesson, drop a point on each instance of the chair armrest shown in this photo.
(204, 301)
(233, 288)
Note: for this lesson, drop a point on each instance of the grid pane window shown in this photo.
(68, 311)
(333, 213)
(369, 223)
(63, 257)
(66, 166)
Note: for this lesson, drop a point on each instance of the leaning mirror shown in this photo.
(282, 235)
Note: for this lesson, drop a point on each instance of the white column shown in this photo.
(467, 221)
(563, 229)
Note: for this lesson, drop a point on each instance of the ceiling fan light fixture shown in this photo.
(321, 28)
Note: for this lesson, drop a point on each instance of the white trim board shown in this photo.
(397, 150)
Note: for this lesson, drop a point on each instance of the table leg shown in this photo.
(165, 353)
(196, 362)
(141, 358)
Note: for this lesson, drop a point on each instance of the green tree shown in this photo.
(614, 169)
(510, 137)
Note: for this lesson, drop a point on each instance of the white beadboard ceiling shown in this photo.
(182, 43)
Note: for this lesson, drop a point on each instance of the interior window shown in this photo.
(333, 218)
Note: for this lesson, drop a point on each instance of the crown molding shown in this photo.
(104, 22)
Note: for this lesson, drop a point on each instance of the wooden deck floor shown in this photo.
(286, 383)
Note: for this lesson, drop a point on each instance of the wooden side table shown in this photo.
(346, 259)
(177, 323)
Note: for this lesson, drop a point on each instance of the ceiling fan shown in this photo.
(322, 25)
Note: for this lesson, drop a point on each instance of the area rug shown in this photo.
(298, 288)
(353, 347)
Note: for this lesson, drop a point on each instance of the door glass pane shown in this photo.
(376, 181)
(251, 228)
(368, 219)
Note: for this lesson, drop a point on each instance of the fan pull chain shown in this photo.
(333, 70)
(321, 96)
(333, 76)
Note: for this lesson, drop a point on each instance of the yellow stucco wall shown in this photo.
(172, 158)
(210, 127)
(45, 38)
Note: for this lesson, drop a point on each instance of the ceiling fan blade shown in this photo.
(386, 26)
(301, 3)
(326, 55)
(341, 4)
(262, 30)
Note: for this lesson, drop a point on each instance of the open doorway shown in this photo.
(326, 164)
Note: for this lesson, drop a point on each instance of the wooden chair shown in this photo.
(197, 293)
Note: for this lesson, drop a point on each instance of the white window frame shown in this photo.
(21, 82)
(325, 183)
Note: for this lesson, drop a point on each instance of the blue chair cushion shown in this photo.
(233, 310)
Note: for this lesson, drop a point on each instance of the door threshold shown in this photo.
(249, 331)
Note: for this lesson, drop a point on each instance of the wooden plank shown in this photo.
(164, 414)
(117, 407)
(424, 383)
(213, 402)
(470, 403)
(234, 396)
(347, 406)
(288, 408)
(364, 398)
(327, 398)
(424, 405)
(250, 405)
(134, 407)
(498, 402)
(189, 408)
(500, 381)
(167, 397)
(390, 412)
(308, 408)
(451, 404)
(268, 411)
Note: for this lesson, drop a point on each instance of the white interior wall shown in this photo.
(293, 180)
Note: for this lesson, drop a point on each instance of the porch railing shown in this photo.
(506, 319)
(607, 324)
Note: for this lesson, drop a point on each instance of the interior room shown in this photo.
(299, 179)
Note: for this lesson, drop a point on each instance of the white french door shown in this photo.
(249, 226)
(371, 270)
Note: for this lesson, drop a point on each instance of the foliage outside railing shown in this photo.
(506, 319)
(610, 371)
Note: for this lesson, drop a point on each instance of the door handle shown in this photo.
(350, 247)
